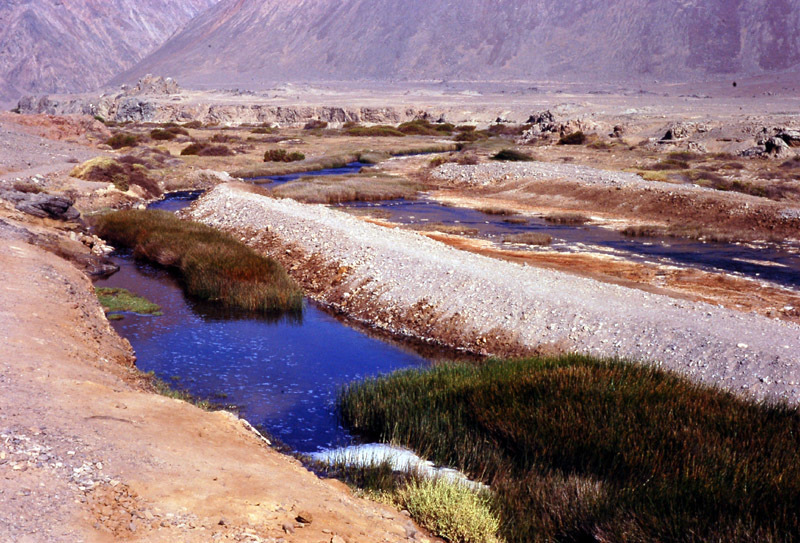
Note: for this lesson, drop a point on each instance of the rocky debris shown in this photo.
(42, 205)
(153, 85)
(789, 136)
(411, 285)
(679, 131)
(777, 148)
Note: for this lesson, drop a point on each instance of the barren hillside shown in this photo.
(68, 45)
(251, 42)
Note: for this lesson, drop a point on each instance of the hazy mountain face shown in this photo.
(76, 45)
(242, 42)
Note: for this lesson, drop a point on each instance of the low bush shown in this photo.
(567, 218)
(581, 449)
(122, 139)
(450, 510)
(214, 265)
(576, 138)
(512, 155)
(315, 125)
(206, 149)
(377, 131)
(162, 135)
(263, 130)
(193, 125)
(669, 164)
(421, 127)
(470, 136)
(27, 187)
(282, 155)
(123, 174)
(335, 189)
(507, 129)
(529, 238)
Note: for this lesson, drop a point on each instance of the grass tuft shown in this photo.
(529, 238)
(576, 138)
(581, 449)
(282, 155)
(122, 139)
(335, 189)
(122, 300)
(214, 265)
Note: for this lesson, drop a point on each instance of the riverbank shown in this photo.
(410, 285)
(88, 453)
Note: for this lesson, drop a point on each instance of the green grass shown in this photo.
(214, 266)
(580, 449)
(119, 299)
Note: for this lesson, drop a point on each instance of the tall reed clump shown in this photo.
(214, 265)
(581, 449)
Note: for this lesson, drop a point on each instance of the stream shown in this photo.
(283, 374)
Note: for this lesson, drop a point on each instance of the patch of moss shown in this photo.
(115, 300)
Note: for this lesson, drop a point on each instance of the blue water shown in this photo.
(770, 262)
(351, 168)
(282, 374)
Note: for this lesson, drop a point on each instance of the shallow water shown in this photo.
(765, 262)
(283, 374)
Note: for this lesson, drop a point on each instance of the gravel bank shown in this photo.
(412, 285)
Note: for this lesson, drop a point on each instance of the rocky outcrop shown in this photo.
(151, 84)
(42, 205)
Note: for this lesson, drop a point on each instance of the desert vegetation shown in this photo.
(580, 449)
(206, 149)
(336, 189)
(529, 238)
(122, 139)
(124, 173)
(282, 155)
(512, 155)
(213, 265)
(120, 300)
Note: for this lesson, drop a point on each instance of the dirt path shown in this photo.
(86, 455)
(409, 284)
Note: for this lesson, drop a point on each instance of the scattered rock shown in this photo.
(678, 131)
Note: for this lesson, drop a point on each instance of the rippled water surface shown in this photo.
(281, 374)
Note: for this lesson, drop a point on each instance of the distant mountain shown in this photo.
(252, 42)
(51, 46)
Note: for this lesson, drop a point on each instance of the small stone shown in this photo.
(288, 528)
(305, 517)
(222, 522)
(337, 539)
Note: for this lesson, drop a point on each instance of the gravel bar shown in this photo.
(399, 272)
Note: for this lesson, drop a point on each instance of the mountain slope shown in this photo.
(246, 42)
(74, 45)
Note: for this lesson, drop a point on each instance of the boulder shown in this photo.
(678, 131)
(791, 137)
(42, 205)
(777, 147)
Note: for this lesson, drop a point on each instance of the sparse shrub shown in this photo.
(529, 238)
(377, 131)
(669, 164)
(27, 187)
(450, 510)
(122, 139)
(438, 161)
(282, 155)
(507, 129)
(121, 173)
(315, 124)
(421, 127)
(263, 130)
(193, 125)
(512, 155)
(465, 128)
(99, 118)
(224, 138)
(468, 159)
(567, 218)
(576, 138)
(470, 136)
(685, 156)
(162, 135)
(214, 265)
(206, 149)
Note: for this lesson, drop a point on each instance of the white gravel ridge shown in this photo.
(743, 352)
